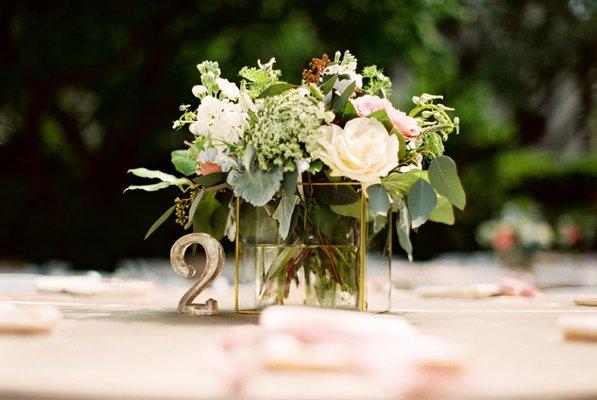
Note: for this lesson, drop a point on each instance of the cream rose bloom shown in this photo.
(362, 151)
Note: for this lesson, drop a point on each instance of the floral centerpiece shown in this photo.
(517, 234)
(304, 177)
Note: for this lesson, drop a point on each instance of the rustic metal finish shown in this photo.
(214, 255)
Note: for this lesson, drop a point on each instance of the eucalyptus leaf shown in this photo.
(254, 185)
(193, 208)
(283, 213)
(182, 163)
(443, 213)
(400, 183)
(159, 221)
(403, 228)
(276, 89)
(443, 176)
(340, 102)
(421, 202)
(379, 201)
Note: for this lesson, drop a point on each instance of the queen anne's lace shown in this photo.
(283, 126)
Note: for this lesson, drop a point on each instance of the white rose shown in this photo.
(229, 89)
(362, 151)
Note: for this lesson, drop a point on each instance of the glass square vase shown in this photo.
(336, 253)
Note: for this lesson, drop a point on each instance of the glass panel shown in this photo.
(319, 262)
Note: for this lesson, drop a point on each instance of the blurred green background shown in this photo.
(90, 89)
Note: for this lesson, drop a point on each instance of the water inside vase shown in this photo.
(314, 275)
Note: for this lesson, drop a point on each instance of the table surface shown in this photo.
(139, 348)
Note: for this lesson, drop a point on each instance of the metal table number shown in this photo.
(214, 255)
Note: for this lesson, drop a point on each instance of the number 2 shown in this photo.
(214, 256)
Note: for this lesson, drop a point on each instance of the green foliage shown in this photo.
(256, 80)
(421, 202)
(211, 216)
(182, 163)
(339, 102)
(335, 194)
(255, 185)
(403, 226)
(283, 213)
(383, 117)
(444, 179)
(400, 183)
(379, 201)
(443, 213)
(276, 89)
(166, 180)
(159, 221)
(376, 83)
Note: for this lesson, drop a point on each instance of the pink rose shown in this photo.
(368, 104)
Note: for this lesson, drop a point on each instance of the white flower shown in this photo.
(303, 164)
(220, 120)
(418, 164)
(228, 89)
(349, 69)
(199, 91)
(362, 151)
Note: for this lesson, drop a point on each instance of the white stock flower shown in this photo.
(219, 119)
(199, 91)
(228, 89)
(362, 151)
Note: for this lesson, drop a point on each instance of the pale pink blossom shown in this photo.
(368, 104)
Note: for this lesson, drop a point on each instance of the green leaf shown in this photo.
(151, 174)
(328, 84)
(349, 112)
(211, 216)
(315, 92)
(444, 179)
(400, 183)
(166, 180)
(379, 201)
(210, 180)
(193, 208)
(160, 221)
(256, 186)
(335, 194)
(383, 117)
(340, 102)
(401, 143)
(403, 228)
(182, 163)
(256, 225)
(328, 223)
(276, 89)
(443, 213)
(348, 210)
(150, 188)
(315, 166)
(421, 202)
(283, 213)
